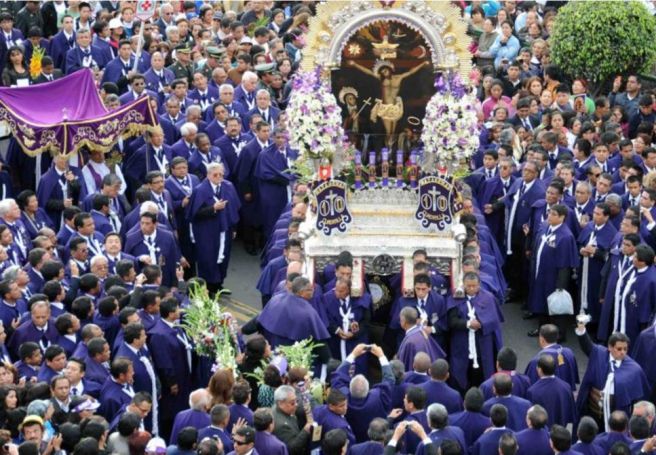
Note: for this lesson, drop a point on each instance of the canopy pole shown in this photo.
(140, 43)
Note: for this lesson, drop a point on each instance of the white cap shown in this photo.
(156, 445)
(115, 23)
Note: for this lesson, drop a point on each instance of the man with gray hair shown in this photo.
(245, 93)
(376, 433)
(365, 403)
(36, 329)
(285, 423)
(438, 420)
(264, 107)
(186, 146)
(10, 215)
(196, 416)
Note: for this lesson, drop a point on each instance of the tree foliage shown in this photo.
(598, 40)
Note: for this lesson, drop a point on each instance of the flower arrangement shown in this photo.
(213, 331)
(35, 61)
(315, 118)
(450, 133)
(299, 354)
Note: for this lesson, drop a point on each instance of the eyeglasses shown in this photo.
(239, 443)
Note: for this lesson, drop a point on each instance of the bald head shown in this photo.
(421, 363)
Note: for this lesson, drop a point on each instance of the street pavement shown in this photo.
(245, 303)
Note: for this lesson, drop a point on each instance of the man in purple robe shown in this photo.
(60, 188)
(265, 441)
(196, 416)
(488, 442)
(438, 419)
(331, 415)
(39, 328)
(213, 210)
(171, 351)
(553, 256)
(10, 215)
(96, 360)
(364, 403)
(438, 391)
(348, 320)
(431, 306)
(619, 268)
(594, 243)
(204, 154)
(490, 199)
(519, 199)
(231, 144)
(247, 185)
(612, 371)
(507, 363)
(415, 339)
(472, 421)
(180, 185)
(274, 179)
(638, 297)
(29, 363)
(534, 440)
(84, 55)
(516, 406)
(552, 393)
(117, 390)
(153, 156)
(642, 350)
(119, 69)
(154, 245)
(475, 326)
(566, 367)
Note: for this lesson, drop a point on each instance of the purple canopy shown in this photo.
(63, 115)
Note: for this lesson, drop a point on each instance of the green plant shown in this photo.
(601, 39)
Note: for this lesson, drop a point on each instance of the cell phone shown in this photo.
(367, 347)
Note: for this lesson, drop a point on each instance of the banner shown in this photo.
(145, 9)
(332, 211)
(439, 203)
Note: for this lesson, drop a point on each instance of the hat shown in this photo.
(87, 405)
(184, 48)
(115, 23)
(265, 67)
(29, 420)
(156, 445)
(216, 52)
(246, 40)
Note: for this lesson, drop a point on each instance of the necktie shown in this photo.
(71, 42)
(126, 68)
(264, 116)
(579, 209)
(149, 239)
(522, 189)
(160, 201)
(86, 52)
(49, 77)
(599, 198)
(74, 391)
(549, 231)
(634, 201)
(506, 186)
(489, 174)
(183, 182)
(162, 79)
(159, 154)
(217, 193)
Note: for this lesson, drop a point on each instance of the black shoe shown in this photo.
(528, 315)
(533, 333)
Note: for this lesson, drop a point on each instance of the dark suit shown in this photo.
(56, 74)
(286, 429)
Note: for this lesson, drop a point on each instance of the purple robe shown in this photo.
(591, 272)
(558, 251)
(156, 84)
(95, 371)
(367, 448)
(212, 230)
(189, 418)
(231, 150)
(215, 130)
(267, 281)
(222, 434)
(171, 365)
(239, 411)
(142, 161)
(534, 442)
(520, 384)
(113, 396)
(59, 46)
(439, 436)
(440, 392)
(473, 425)
(75, 59)
(488, 338)
(266, 443)
(198, 163)
(606, 440)
(273, 183)
(435, 309)
(285, 307)
(331, 421)
(26, 371)
(359, 310)
(639, 300)
(586, 449)
(166, 252)
(516, 406)
(247, 183)
(27, 331)
(554, 395)
(566, 367)
(179, 190)
(410, 440)
(46, 374)
(415, 341)
(631, 383)
(10, 312)
(33, 226)
(142, 381)
(641, 351)
(490, 192)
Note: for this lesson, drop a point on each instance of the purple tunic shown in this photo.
(266, 443)
(554, 395)
(566, 367)
(209, 228)
(533, 442)
(473, 424)
(516, 406)
(189, 418)
(415, 341)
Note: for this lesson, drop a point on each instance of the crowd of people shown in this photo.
(99, 254)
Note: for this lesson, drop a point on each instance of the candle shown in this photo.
(412, 172)
(384, 167)
(399, 168)
(358, 169)
(372, 169)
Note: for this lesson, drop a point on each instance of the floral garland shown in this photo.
(213, 331)
(450, 133)
(315, 118)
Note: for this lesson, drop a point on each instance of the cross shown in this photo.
(331, 200)
(365, 103)
(434, 193)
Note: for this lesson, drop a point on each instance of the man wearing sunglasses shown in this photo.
(243, 439)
